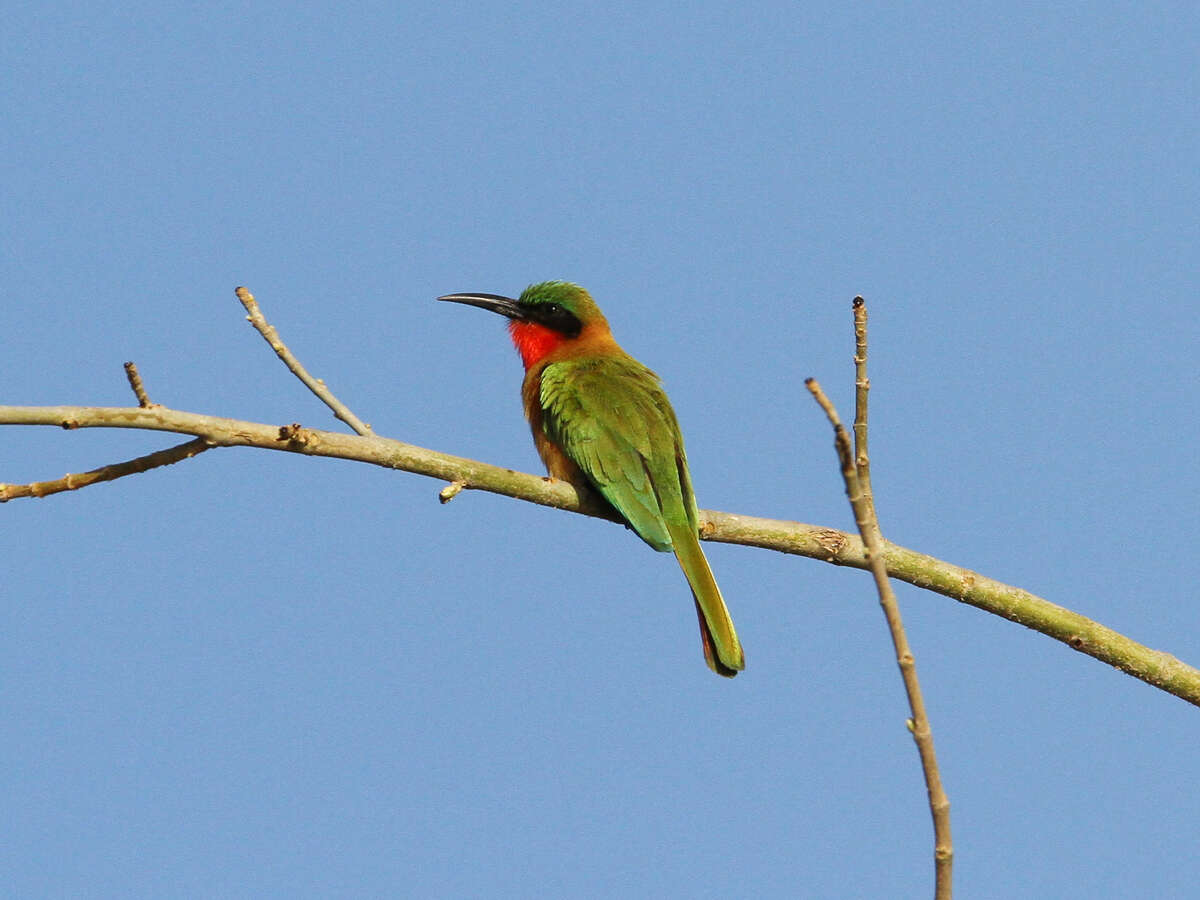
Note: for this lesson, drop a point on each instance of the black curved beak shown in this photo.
(505, 306)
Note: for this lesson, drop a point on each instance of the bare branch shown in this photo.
(135, 382)
(856, 472)
(316, 385)
(105, 473)
(919, 723)
(862, 386)
(1162, 670)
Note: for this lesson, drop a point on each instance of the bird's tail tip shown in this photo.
(726, 668)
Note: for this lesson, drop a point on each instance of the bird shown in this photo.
(602, 422)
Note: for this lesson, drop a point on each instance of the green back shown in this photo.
(611, 416)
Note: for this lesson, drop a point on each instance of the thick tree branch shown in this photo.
(1078, 632)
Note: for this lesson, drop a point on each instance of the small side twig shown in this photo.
(73, 482)
(139, 389)
(450, 491)
(868, 527)
(316, 385)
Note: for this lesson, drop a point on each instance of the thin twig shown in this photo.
(862, 386)
(939, 803)
(135, 382)
(1155, 667)
(868, 528)
(316, 385)
(74, 482)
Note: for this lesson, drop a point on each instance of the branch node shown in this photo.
(833, 542)
(450, 491)
(294, 435)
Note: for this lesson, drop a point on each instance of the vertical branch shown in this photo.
(939, 803)
(855, 467)
(862, 385)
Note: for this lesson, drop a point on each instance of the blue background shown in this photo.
(259, 674)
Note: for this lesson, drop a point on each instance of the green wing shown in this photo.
(611, 416)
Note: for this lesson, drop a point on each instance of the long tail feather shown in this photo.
(722, 649)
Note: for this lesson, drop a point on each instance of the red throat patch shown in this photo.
(533, 341)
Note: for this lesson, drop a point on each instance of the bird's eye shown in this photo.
(556, 317)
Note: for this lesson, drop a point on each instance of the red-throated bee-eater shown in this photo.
(601, 419)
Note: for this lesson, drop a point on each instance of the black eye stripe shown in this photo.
(555, 317)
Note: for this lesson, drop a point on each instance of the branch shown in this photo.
(1078, 632)
(135, 382)
(316, 385)
(72, 482)
(856, 472)
(862, 387)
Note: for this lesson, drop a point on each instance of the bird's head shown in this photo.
(545, 317)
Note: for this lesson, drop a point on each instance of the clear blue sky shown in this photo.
(257, 674)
